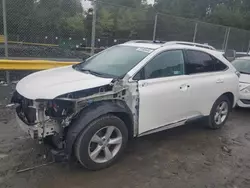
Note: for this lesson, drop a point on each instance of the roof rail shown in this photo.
(190, 44)
(147, 41)
(139, 41)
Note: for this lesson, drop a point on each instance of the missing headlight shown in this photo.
(59, 108)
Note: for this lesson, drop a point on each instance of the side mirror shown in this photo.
(230, 55)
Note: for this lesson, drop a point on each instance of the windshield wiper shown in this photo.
(81, 69)
(87, 70)
(96, 73)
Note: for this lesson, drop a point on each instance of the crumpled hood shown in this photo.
(51, 83)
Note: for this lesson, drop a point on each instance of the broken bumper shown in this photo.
(32, 131)
(36, 132)
(39, 130)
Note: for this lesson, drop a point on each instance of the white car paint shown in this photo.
(170, 105)
(244, 93)
(244, 84)
(162, 101)
(205, 89)
(51, 83)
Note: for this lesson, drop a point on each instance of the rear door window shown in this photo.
(201, 62)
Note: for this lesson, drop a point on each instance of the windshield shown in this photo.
(242, 65)
(114, 62)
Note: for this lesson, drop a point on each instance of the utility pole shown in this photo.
(93, 33)
(226, 42)
(5, 39)
(155, 27)
(248, 49)
(195, 31)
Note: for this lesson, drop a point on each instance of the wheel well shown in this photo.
(230, 97)
(127, 120)
(93, 111)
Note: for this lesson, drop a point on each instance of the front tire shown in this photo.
(219, 113)
(101, 143)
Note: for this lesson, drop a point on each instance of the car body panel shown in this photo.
(245, 78)
(241, 104)
(51, 83)
(244, 83)
(155, 104)
(205, 89)
(168, 104)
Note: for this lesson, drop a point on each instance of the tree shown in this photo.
(49, 16)
(73, 26)
(128, 19)
(105, 22)
(71, 7)
(224, 16)
(19, 19)
(225, 12)
(128, 3)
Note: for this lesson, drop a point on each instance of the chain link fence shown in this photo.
(170, 28)
(43, 29)
(60, 29)
(117, 24)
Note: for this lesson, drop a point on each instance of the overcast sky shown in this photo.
(87, 4)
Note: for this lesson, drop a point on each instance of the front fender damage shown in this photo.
(65, 108)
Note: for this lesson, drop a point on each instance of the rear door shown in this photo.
(207, 77)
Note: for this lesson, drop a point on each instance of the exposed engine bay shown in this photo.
(51, 118)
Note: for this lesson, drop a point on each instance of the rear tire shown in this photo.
(219, 113)
(101, 143)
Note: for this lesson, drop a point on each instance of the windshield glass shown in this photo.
(242, 65)
(114, 62)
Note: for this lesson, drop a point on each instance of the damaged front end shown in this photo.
(50, 119)
(43, 118)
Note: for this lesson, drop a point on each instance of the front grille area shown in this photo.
(245, 101)
(25, 111)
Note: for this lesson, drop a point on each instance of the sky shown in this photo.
(87, 4)
(151, 1)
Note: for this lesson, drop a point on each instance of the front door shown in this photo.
(163, 91)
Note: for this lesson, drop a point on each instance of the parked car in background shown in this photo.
(91, 109)
(243, 66)
(242, 54)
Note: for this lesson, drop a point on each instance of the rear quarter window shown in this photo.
(201, 62)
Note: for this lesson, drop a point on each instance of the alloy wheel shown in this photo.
(105, 144)
(221, 113)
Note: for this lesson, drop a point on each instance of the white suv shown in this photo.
(91, 109)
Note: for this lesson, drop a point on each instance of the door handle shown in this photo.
(184, 87)
(144, 84)
(220, 80)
